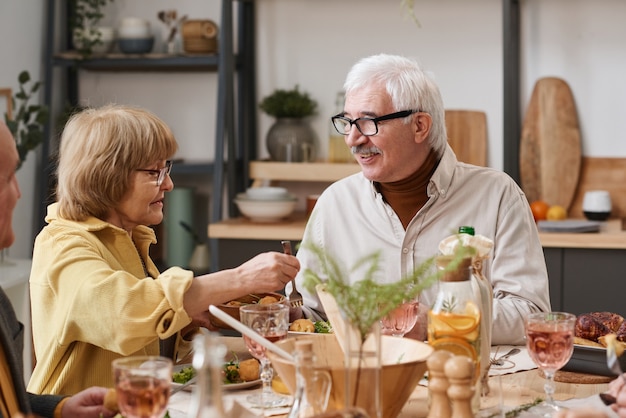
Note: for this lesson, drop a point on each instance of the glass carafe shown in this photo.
(312, 385)
(208, 360)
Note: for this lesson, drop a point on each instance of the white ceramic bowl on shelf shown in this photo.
(267, 193)
(266, 210)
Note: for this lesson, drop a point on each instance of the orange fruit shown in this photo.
(556, 213)
(539, 209)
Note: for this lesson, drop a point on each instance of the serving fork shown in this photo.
(612, 362)
(295, 298)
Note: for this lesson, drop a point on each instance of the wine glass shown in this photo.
(400, 320)
(272, 322)
(550, 342)
(142, 384)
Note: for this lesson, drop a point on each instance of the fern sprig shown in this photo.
(366, 301)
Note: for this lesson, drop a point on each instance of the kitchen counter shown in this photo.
(611, 236)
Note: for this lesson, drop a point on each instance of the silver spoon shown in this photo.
(500, 360)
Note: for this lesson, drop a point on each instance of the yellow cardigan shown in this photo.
(91, 302)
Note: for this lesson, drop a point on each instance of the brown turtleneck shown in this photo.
(409, 195)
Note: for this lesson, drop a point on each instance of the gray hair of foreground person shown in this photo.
(409, 88)
(100, 148)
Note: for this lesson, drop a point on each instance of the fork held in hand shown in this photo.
(295, 298)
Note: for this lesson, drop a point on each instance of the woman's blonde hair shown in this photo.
(99, 150)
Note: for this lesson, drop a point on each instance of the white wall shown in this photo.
(314, 42)
(21, 49)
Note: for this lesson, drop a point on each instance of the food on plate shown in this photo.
(249, 370)
(306, 325)
(594, 325)
(267, 300)
(110, 400)
(236, 371)
(611, 340)
(323, 327)
(588, 343)
(302, 325)
(184, 375)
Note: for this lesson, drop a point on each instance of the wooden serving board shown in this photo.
(467, 135)
(550, 150)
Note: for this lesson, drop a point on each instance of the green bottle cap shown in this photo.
(466, 230)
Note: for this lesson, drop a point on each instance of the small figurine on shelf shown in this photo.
(169, 18)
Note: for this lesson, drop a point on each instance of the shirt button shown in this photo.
(405, 250)
(443, 192)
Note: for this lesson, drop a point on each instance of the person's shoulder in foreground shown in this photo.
(412, 193)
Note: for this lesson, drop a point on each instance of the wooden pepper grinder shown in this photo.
(460, 370)
(438, 385)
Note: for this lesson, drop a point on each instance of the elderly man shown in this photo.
(412, 192)
(13, 396)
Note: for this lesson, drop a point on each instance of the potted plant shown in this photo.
(290, 138)
(28, 120)
(83, 25)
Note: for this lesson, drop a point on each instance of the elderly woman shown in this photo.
(95, 292)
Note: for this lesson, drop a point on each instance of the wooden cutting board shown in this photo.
(467, 135)
(550, 150)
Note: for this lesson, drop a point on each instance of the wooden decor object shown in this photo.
(467, 135)
(550, 150)
(9, 107)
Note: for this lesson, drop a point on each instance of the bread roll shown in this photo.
(302, 325)
(267, 300)
(110, 400)
(249, 370)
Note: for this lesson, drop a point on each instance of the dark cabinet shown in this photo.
(586, 280)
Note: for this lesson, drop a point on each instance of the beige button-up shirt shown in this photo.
(351, 220)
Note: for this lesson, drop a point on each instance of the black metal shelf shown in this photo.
(141, 62)
(235, 135)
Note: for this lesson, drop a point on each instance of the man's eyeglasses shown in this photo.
(367, 126)
(160, 173)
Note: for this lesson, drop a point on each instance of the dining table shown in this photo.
(519, 384)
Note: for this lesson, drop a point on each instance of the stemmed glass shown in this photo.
(550, 342)
(401, 320)
(272, 322)
(142, 384)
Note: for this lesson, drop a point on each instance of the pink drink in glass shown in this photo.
(142, 384)
(549, 347)
(401, 320)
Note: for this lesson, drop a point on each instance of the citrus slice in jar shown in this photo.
(458, 346)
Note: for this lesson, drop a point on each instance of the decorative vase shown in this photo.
(363, 371)
(291, 140)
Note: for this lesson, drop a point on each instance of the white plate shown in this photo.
(570, 225)
(225, 386)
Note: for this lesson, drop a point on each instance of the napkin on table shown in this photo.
(516, 363)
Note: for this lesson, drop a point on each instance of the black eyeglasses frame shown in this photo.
(395, 115)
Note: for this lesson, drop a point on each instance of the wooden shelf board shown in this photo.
(315, 171)
(291, 228)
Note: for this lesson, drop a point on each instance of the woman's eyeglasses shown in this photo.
(160, 173)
